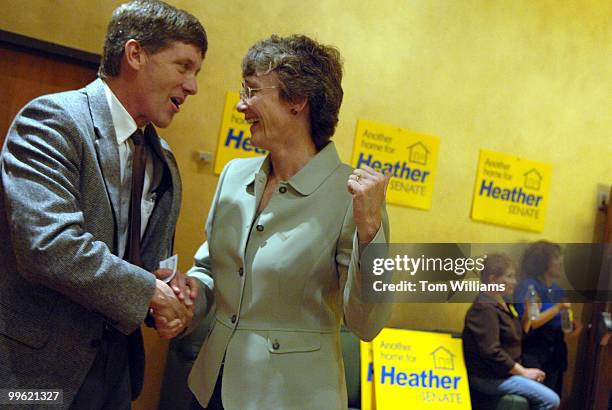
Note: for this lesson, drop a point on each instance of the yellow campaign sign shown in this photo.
(368, 401)
(409, 156)
(234, 136)
(511, 191)
(420, 370)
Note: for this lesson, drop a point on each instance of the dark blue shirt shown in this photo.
(548, 295)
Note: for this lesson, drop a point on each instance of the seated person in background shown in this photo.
(492, 341)
(544, 347)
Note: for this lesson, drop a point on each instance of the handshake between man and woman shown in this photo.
(172, 305)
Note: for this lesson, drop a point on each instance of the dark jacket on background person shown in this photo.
(491, 339)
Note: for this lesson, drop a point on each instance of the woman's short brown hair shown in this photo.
(537, 257)
(305, 69)
(496, 265)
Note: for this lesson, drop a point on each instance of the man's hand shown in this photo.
(171, 316)
(368, 188)
(168, 329)
(185, 287)
(162, 274)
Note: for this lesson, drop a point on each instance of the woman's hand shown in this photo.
(530, 373)
(577, 329)
(534, 374)
(563, 306)
(185, 287)
(368, 188)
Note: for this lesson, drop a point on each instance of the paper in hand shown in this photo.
(170, 263)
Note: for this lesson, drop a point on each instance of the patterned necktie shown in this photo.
(139, 161)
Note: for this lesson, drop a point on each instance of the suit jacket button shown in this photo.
(234, 318)
(282, 189)
(275, 345)
(95, 343)
(260, 228)
(241, 271)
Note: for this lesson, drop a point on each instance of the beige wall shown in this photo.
(530, 78)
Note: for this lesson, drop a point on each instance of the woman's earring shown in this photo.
(294, 111)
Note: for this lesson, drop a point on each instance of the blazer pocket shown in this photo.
(293, 342)
(22, 328)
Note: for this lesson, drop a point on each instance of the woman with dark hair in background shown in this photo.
(281, 262)
(544, 347)
(492, 341)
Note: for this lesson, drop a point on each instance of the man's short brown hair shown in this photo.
(155, 25)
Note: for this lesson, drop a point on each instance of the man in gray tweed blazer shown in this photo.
(70, 305)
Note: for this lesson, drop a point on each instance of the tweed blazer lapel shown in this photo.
(160, 228)
(107, 150)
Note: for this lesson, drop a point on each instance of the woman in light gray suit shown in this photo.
(284, 235)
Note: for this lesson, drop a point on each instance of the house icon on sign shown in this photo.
(443, 358)
(418, 153)
(533, 179)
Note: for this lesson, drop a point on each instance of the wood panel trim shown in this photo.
(50, 49)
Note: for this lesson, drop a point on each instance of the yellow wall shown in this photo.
(530, 78)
